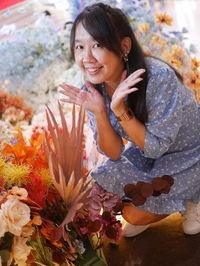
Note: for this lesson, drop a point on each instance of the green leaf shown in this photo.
(5, 255)
(91, 258)
(6, 241)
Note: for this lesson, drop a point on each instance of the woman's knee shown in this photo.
(136, 216)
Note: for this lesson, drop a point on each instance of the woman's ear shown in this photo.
(126, 45)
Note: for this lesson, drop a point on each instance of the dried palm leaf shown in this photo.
(64, 156)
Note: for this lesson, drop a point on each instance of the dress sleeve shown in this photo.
(164, 108)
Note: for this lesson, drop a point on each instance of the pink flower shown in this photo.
(101, 199)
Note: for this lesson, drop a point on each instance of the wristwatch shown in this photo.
(126, 116)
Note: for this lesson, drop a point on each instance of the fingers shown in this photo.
(123, 77)
(69, 87)
(72, 93)
(131, 83)
(124, 93)
(136, 74)
(68, 93)
(66, 100)
(89, 86)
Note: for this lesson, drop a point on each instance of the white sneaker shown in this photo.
(130, 230)
(191, 224)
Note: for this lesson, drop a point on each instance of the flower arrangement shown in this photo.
(13, 108)
(51, 213)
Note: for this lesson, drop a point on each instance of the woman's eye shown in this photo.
(79, 47)
(96, 45)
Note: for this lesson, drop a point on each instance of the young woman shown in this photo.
(141, 99)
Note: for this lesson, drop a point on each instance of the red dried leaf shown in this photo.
(139, 185)
(158, 183)
(169, 179)
(138, 199)
(111, 231)
(146, 190)
(94, 226)
(166, 189)
(130, 190)
(106, 216)
(156, 193)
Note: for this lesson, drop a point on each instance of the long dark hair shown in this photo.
(109, 26)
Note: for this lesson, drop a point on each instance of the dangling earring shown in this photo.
(126, 57)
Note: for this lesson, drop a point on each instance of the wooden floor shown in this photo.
(162, 244)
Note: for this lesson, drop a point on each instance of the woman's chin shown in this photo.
(95, 81)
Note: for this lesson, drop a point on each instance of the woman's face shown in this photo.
(99, 64)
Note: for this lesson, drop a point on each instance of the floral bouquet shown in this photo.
(51, 212)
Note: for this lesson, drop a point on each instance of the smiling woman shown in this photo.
(141, 99)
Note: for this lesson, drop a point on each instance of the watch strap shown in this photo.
(126, 116)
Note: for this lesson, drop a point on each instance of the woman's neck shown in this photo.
(110, 88)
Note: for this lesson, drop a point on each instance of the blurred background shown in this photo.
(34, 43)
(17, 13)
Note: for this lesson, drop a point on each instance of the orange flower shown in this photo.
(169, 57)
(194, 81)
(177, 51)
(143, 27)
(157, 40)
(163, 18)
(195, 64)
(176, 63)
(21, 152)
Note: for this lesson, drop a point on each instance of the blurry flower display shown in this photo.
(47, 201)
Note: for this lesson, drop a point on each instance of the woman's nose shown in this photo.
(88, 56)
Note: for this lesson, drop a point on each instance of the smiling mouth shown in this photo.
(93, 70)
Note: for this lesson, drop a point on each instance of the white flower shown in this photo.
(17, 215)
(18, 193)
(3, 225)
(20, 251)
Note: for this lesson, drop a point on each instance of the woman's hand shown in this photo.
(125, 87)
(91, 100)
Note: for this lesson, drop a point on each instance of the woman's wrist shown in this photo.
(100, 113)
(126, 115)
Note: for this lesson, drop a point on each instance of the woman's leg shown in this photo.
(135, 216)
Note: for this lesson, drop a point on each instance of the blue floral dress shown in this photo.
(172, 143)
